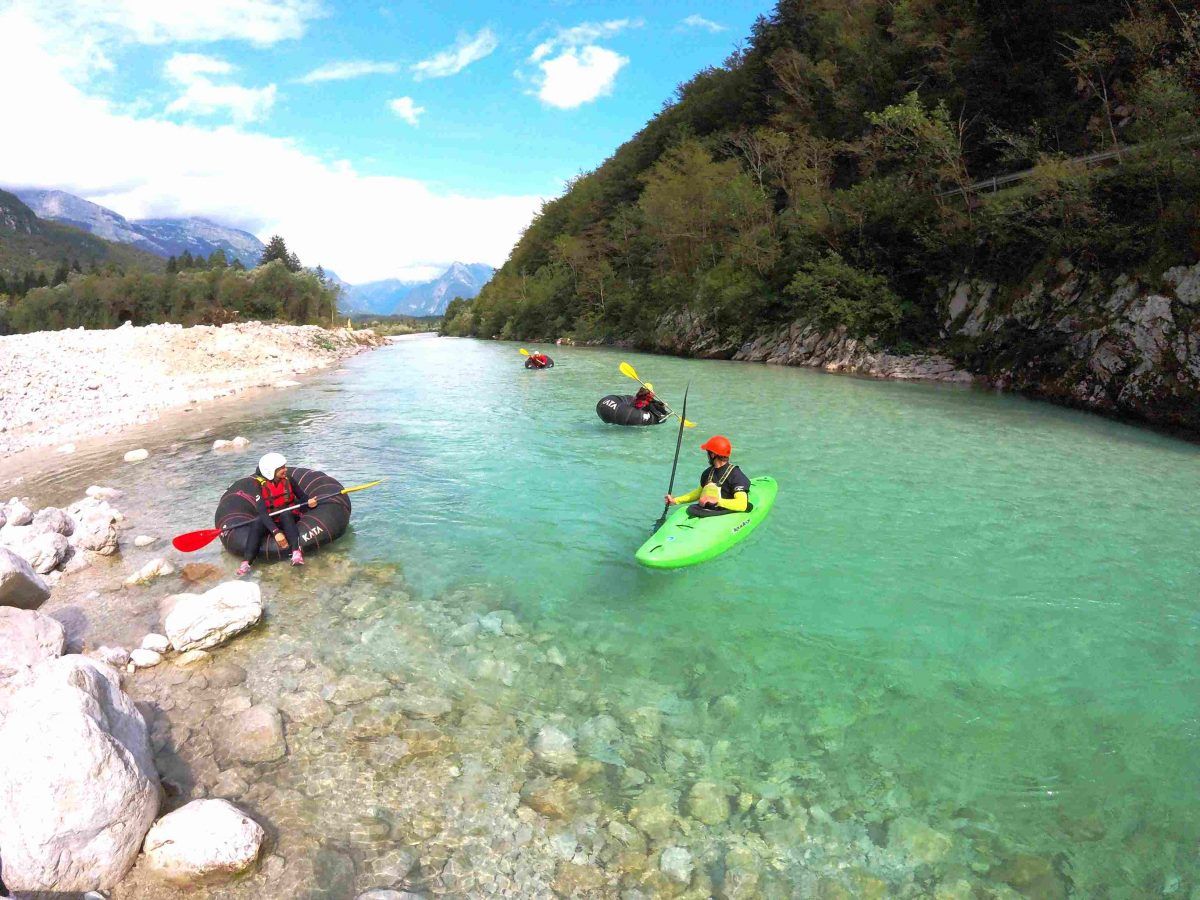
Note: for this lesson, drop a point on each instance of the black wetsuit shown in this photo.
(285, 522)
(730, 481)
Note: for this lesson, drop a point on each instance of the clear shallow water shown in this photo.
(972, 610)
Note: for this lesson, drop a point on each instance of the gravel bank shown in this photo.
(62, 385)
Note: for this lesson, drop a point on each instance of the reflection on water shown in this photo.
(959, 656)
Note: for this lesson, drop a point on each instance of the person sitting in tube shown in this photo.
(645, 399)
(276, 493)
(722, 486)
(539, 360)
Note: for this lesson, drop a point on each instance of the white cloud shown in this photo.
(203, 97)
(406, 109)
(347, 69)
(363, 227)
(450, 62)
(575, 77)
(579, 35)
(698, 21)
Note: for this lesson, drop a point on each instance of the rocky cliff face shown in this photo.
(1129, 347)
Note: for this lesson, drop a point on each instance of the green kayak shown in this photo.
(685, 541)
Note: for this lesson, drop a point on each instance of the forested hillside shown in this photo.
(824, 174)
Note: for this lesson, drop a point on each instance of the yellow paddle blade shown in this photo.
(523, 352)
(629, 371)
(688, 424)
(361, 487)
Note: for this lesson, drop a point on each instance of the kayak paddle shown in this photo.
(194, 540)
(631, 372)
(675, 464)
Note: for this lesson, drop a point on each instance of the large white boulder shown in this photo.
(53, 519)
(77, 780)
(45, 551)
(20, 586)
(27, 638)
(204, 842)
(17, 512)
(95, 526)
(201, 621)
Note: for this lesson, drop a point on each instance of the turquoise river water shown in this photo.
(970, 610)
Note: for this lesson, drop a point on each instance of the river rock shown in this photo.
(554, 750)
(75, 760)
(143, 540)
(20, 585)
(53, 519)
(202, 621)
(356, 688)
(238, 443)
(156, 568)
(144, 659)
(918, 841)
(255, 735)
(306, 708)
(204, 842)
(156, 642)
(16, 512)
(27, 638)
(136, 455)
(44, 551)
(95, 526)
(364, 606)
(676, 863)
(192, 658)
(117, 657)
(420, 705)
(708, 802)
(554, 798)
(96, 492)
(196, 572)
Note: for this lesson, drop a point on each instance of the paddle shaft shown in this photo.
(675, 462)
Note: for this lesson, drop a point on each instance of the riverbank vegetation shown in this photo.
(191, 291)
(396, 325)
(830, 171)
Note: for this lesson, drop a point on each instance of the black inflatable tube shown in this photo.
(323, 524)
(617, 409)
(529, 364)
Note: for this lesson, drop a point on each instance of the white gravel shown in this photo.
(56, 386)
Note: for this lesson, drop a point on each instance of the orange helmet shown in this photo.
(718, 444)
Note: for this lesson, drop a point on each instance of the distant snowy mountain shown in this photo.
(162, 237)
(421, 298)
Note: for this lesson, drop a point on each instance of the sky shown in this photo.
(381, 138)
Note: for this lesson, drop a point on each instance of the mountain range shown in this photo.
(162, 237)
(200, 237)
(416, 298)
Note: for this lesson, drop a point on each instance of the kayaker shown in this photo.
(645, 399)
(276, 492)
(540, 360)
(721, 485)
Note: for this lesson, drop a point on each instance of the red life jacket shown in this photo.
(277, 496)
(642, 401)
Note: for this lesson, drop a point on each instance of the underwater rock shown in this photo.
(1033, 876)
(136, 455)
(204, 842)
(254, 735)
(96, 492)
(365, 606)
(196, 572)
(306, 708)
(143, 540)
(554, 750)
(653, 814)
(676, 863)
(708, 802)
(918, 841)
(192, 658)
(554, 798)
(156, 568)
(353, 689)
(144, 659)
(420, 705)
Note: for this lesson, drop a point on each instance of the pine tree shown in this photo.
(218, 260)
(186, 261)
(42, 280)
(320, 273)
(172, 266)
(238, 266)
(293, 263)
(75, 267)
(3, 284)
(61, 273)
(276, 249)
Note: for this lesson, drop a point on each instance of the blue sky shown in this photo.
(381, 138)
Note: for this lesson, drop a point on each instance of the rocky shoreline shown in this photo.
(397, 752)
(61, 386)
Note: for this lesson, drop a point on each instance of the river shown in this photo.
(961, 652)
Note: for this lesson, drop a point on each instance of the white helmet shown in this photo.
(269, 463)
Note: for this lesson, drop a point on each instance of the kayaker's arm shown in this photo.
(737, 504)
(689, 496)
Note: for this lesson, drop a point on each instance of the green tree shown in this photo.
(276, 250)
